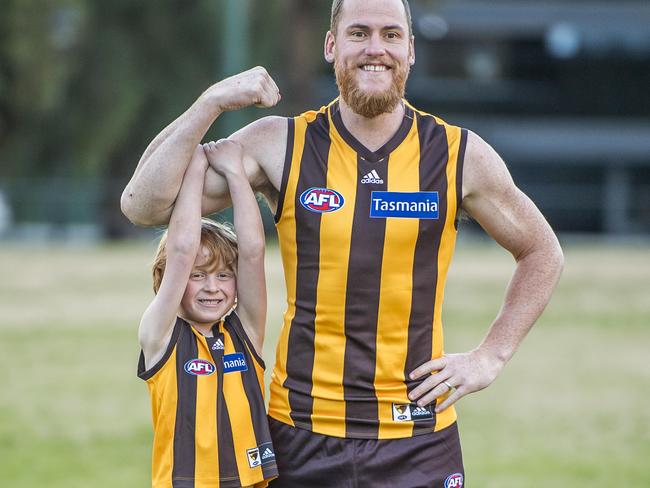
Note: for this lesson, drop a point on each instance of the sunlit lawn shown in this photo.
(571, 409)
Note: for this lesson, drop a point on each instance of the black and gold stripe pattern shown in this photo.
(209, 428)
(364, 293)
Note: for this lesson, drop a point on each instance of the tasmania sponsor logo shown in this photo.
(404, 412)
(254, 459)
(234, 362)
(454, 481)
(321, 200)
(268, 455)
(409, 205)
(199, 367)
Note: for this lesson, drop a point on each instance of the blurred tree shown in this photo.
(86, 84)
(309, 21)
(35, 67)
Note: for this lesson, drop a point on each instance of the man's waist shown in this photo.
(364, 416)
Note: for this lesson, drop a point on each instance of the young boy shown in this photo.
(202, 335)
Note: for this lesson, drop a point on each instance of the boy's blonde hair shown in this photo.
(218, 238)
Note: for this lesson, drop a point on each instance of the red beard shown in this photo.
(366, 104)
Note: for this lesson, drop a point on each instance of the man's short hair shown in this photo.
(337, 7)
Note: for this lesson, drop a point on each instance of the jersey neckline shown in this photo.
(363, 151)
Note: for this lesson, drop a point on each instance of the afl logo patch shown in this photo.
(454, 481)
(321, 200)
(253, 457)
(199, 367)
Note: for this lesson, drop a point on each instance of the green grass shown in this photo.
(571, 408)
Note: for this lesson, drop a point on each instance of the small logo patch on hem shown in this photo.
(410, 412)
(254, 457)
(268, 454)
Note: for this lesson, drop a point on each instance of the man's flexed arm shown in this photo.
(149, 196)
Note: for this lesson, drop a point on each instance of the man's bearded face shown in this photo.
(367, 101)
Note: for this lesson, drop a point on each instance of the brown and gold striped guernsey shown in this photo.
(366, 241)
(210, 425)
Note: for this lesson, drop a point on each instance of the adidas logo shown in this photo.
(267, 454)
(218, 345)
(372, 177)
(421, 413)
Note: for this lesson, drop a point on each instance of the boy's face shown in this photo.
(210, 292)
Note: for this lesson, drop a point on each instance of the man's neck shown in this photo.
(372, 133)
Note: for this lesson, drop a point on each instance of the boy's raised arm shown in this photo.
(183, 240)
(225, 157)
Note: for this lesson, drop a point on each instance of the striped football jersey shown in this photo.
(209, 419)
(366, 239)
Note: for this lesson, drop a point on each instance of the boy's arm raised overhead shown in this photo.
(225, 157)
(182, 246)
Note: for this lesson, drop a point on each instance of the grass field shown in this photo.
(571, 409)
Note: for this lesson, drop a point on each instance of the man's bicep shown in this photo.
(216, 196)
(265, 145)
(491, 197)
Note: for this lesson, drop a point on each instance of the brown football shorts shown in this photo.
(306, 459)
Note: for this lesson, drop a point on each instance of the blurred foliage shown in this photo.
(84, 85)
(84, 82)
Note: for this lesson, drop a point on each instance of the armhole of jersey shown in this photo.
(459, 175)
(233, 320)
(147, 374)
(287, 167)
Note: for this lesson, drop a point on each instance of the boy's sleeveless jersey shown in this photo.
(366, 241)
(209, 420)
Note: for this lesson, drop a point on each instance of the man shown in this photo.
(367, 193)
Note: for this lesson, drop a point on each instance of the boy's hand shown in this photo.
(225, 156)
